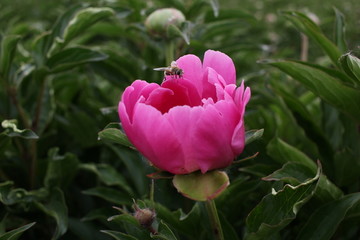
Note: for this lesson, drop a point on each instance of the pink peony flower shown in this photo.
(188, 123)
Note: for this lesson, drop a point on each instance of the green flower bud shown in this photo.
(158, 22)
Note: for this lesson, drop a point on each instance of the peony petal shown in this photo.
(210, 79)
(207, 101)
(212, 139)
(133, 134)
(220, 93)
(242, 97)
(160, 99)
(238, 138)
(123, 115)
(184, 120)
(247, 95)
(133, 93)
(231, 120)
(230, 113)
(155, 139)
(174, 92)
(193, 71)
(230, 91)
(222, 64)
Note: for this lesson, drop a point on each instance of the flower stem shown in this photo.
(12, 92)
(152, 186)
(169, 52)
(214, 219)
(40, 77)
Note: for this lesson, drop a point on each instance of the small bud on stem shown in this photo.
(158, 22)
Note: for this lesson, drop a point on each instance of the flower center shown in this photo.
(172, 93)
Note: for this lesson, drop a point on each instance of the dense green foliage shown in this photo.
(64, 162)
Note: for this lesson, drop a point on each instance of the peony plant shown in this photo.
(193, 121)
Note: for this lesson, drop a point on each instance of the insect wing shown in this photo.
(162, 69)
(173, 64)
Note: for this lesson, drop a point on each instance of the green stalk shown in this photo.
(33, 163)
(152, 187)
(214, 219)
(169, 52)
(40, 77)
(12, 93)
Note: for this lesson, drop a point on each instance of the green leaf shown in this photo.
(307, 26)
(325, 220)
(48, 107)
(78, 122)
(108, 175)
(134, 165)
(118, 68)
(73, 23)
(113, 133)
(24, 71)
(16, 233)
(340, 31)
(351, 65)
(84, 230)
(56, 208)
(327, 191)
(73, 57)
(296, 173)
(109, 194)
(7, 52)
(253, 135)
(11, 130)
(183, 32)
(257, 169)
(4, 143)
(327, 87)
(278, 209)
(228, 230)
(201, 187)
(308, 122)
(63, 21)
(216, 28)
(61, 169)
(187, 224)
(215, 6)
(282, 152)
(97, 214)
(125, 218)
(178, 4)
(230, 13)
(11, 196)
(292, 172)
(346, 158)
(238, 189)
(41, 46)
(47, 42)
(84, 19)
(132, 226)
(165, 232)
(118, 235)
(335, 73)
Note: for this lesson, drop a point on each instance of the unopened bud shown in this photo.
(144, 216)
(158, 22)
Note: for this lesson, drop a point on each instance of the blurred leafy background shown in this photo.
(64, 64)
